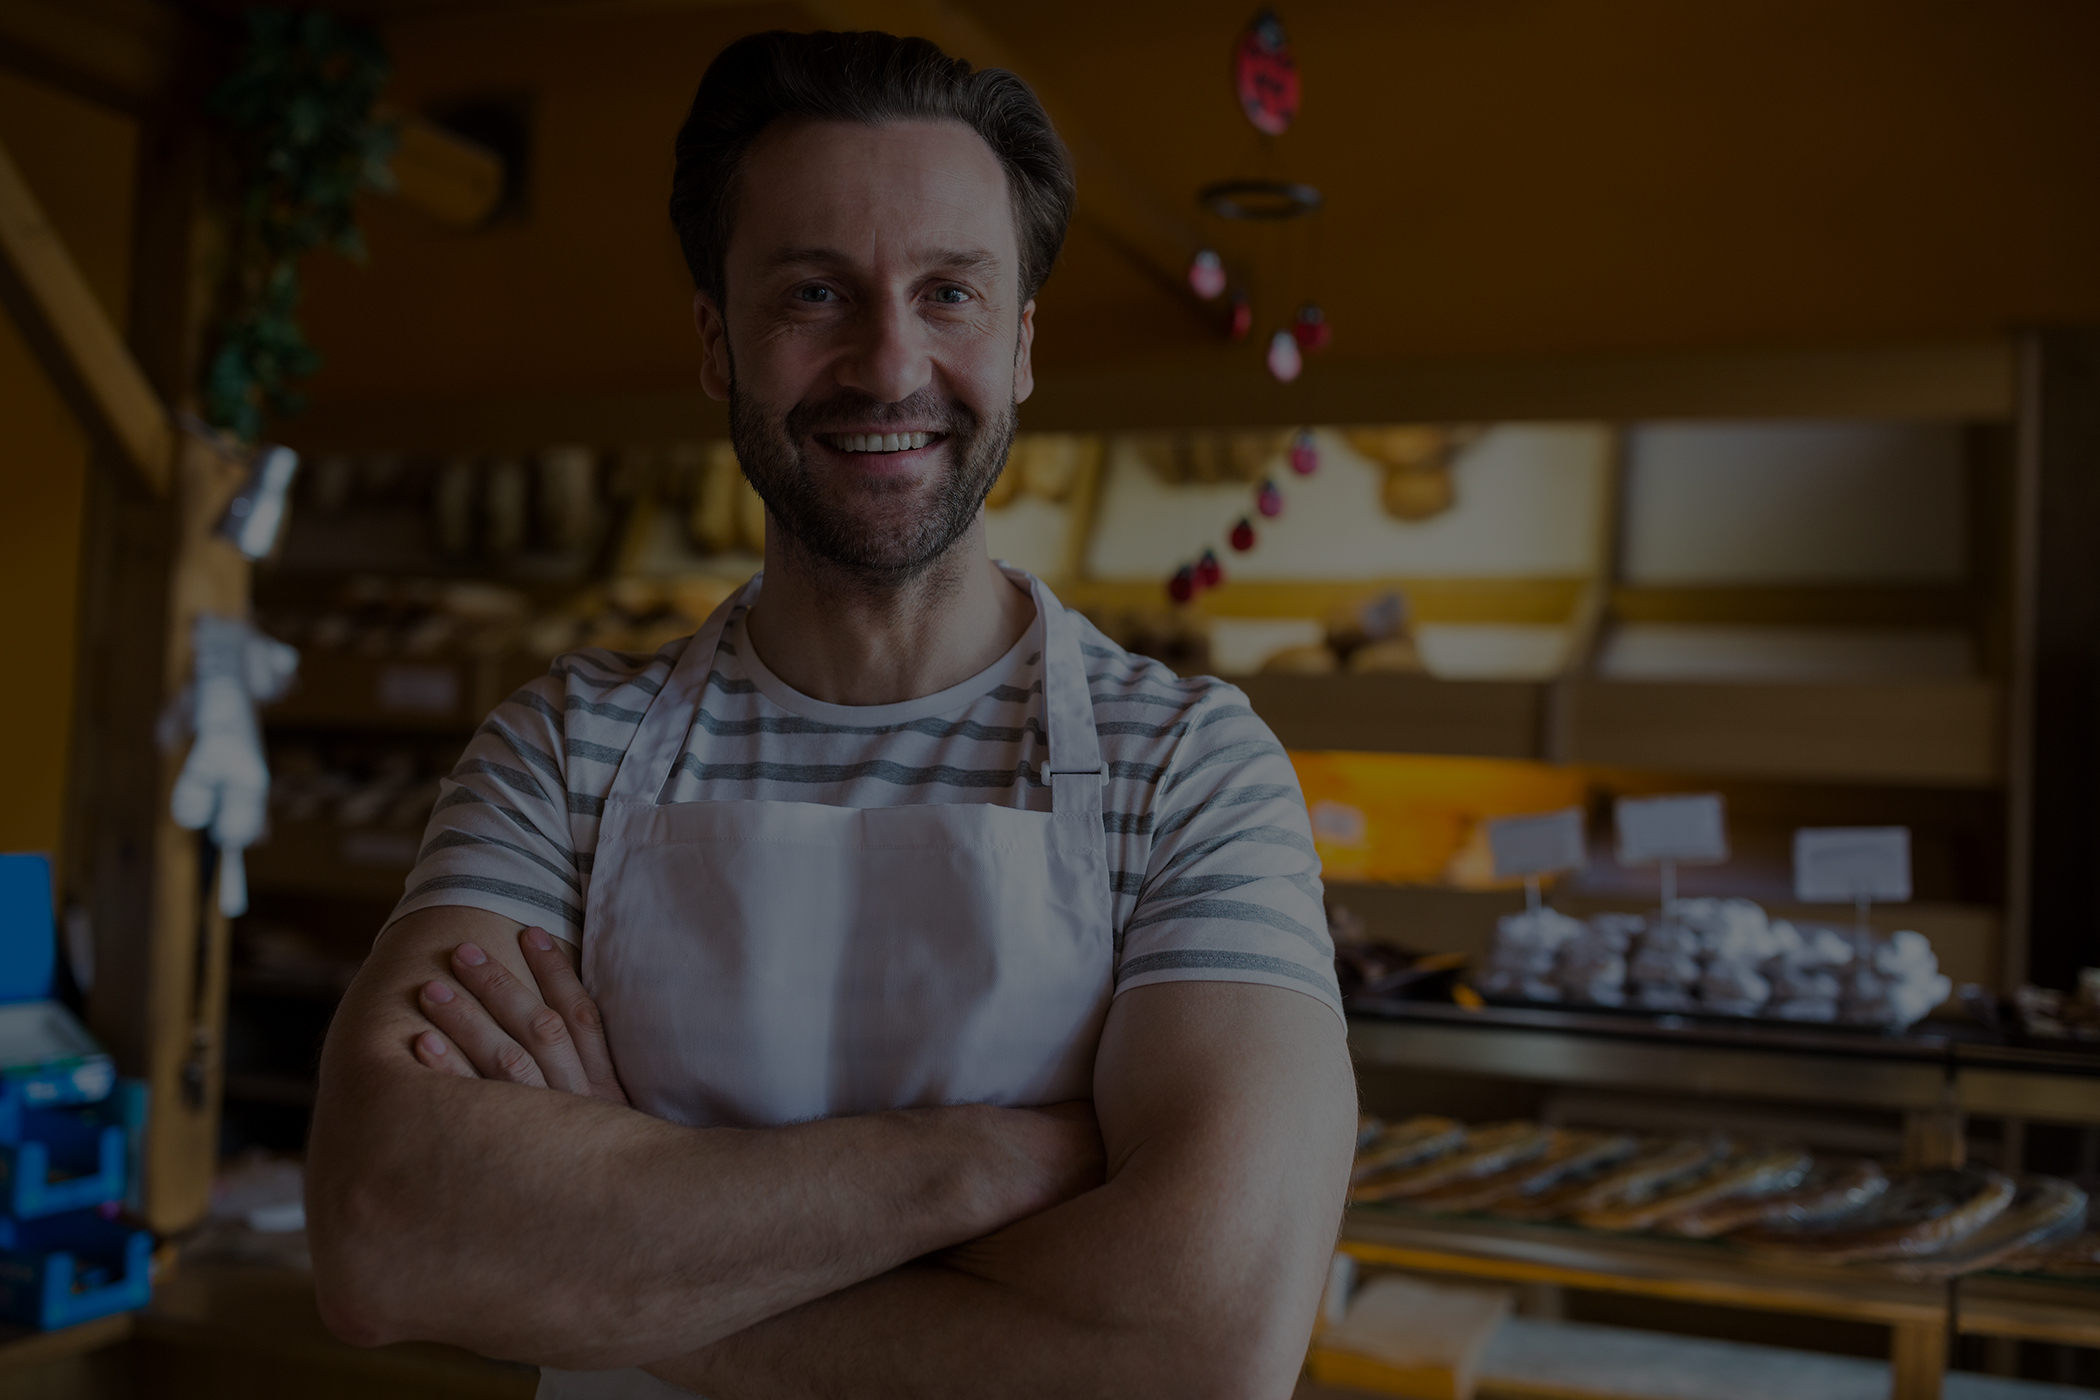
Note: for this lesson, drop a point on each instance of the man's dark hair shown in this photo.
(870, 78)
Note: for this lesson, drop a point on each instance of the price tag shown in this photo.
(1844, 864)
(1690, 828)
(1538, 845)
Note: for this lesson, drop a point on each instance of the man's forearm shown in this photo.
(1193, 1272)
(944, 1328)
(559, 1228)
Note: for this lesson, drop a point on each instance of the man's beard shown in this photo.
(871, 545)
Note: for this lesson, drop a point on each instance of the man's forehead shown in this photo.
(925, 191)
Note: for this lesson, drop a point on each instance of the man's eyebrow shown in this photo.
(943, 259)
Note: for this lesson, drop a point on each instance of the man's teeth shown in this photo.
(880, 442)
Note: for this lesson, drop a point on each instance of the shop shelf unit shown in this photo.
(1935, 1081)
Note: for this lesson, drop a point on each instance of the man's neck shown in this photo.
(845, 641)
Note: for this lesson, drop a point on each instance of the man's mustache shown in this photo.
(924, 411)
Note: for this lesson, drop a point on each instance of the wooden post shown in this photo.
(150, 566)
(1917, 1360)
(2053, 918)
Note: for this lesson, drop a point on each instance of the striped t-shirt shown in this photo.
(1209, 850)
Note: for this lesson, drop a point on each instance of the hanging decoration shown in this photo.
(1207, 275)
(1266, 82)
(1305, 453)
(1265, 74)
(296, 113)
(1311, 330)
(1216, 457)
(1284, 359)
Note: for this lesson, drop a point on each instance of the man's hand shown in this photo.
(547, 1035)
(550, 1035)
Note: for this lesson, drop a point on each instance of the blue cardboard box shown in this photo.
(71, 1268)
(60, 1159)
(28, 933)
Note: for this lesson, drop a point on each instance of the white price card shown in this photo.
(1537, 845)
(1690, 828)
(1841, 864)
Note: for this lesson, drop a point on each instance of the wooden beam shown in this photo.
(1965, 381)
(80, 349)
(456, 181)
(1797, 605)
(124, 53)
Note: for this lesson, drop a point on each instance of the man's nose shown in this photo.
(889, 358)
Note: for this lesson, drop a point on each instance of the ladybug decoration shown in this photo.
(1242, 538)
(1265, 75)
(1207, 275)
(1311, 330)
(1305, 453)
(1182, 586)
(1285, 361)
(1209, 572)
(1268, 500)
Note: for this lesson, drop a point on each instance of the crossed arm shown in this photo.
(920, 1252)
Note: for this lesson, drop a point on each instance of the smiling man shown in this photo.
(896, 988)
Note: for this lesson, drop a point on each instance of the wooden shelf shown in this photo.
(1923, 733)
(228, 1329)
(21, 1349)
(323, 858)
(442, 694)
(1400, 714)
(1926, 732)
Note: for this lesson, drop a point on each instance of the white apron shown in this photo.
(760, 963)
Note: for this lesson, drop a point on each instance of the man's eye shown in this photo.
(815, 294)
(952, 296)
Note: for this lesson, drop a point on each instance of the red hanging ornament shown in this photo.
(1209, 572)
(1239, 318)
(1311, 330)
(1268, 500)
(1243, 535)
(1182, 586)
(1285, 361)
(1207, 275)
(1305, 453)
(1265, 75)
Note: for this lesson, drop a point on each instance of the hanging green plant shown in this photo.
(296, 113)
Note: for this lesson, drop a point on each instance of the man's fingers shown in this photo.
(559, 984)
(524, 1016)
(470, 1028)
(434, 1052)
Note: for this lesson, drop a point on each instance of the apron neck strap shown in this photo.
(1072, 765)
(646, 769)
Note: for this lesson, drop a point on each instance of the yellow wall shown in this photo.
(79, 160)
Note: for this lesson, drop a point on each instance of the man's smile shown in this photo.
(877, 442)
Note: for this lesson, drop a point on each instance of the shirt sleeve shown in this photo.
(499, 838)
(1232, 887)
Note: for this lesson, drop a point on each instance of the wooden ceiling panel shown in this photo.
(1505, 178)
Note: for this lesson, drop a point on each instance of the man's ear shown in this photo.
(1024, 347)
(715, 376)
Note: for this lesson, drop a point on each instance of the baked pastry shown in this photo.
(1406, 1144)
(1569, 1155)
(1921, 1213)
(1832, 1187)
(1660, 1164)
(1485, 1151)
(1745, 1174)
(2045, 1209)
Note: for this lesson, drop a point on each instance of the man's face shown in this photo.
(875, 344)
